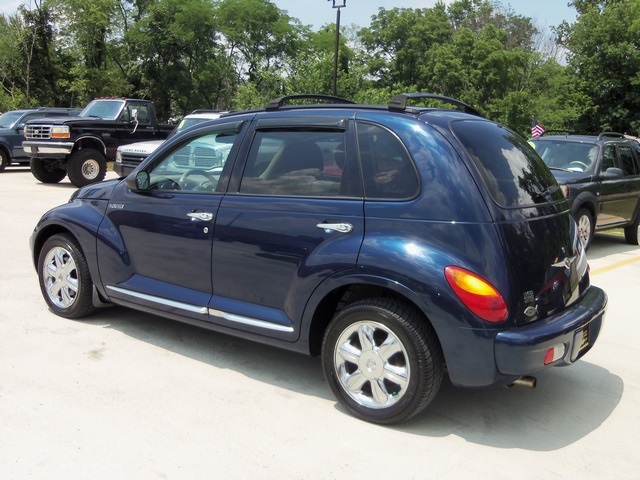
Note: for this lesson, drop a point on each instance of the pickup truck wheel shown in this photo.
(86, 166)
(4, 160)
(382, 360)
(64, 277)
(632, 232)
(584, 219)
(46, 170)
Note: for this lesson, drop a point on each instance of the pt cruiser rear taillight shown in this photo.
(477, 294)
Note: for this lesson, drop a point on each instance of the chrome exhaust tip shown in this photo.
(526, 381)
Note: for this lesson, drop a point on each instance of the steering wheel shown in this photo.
(184, 182)
(584, 166)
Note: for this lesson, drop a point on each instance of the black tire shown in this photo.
(86, 166)
(584, 220)
(385, 387)
(4, 160)
(631, 232)
(64, 277)
(46, 171)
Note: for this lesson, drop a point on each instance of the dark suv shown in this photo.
(400, 243)
(600, 177)
(12, 132)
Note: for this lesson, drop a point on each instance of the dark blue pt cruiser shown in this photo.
(400, 243)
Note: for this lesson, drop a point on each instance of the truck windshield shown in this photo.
(104, 109)
(8, 119)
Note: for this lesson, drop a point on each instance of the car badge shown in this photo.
(565, 263)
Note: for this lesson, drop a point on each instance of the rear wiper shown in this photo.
(545, 194)
(558, 168)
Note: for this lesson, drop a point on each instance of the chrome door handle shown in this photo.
(204, 216)
(338, 227)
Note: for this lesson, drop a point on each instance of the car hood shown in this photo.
(567, 176)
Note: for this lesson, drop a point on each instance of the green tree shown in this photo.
(177, 59)
(260, 39)
(604, 62)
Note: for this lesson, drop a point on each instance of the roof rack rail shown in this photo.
(399, 102)
(552, 132)
(280, 101)
(610, 134)
(206, 110)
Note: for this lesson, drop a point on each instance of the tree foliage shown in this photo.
(188, 54)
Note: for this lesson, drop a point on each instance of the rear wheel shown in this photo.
(86, 166)
(584, 219)
(46, 170)
(632, 232)
(382, 360)
(64, 277)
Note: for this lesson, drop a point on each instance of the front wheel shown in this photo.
(64, 277)
(382, 360)
(46, 170)
(86, 166)
(4, 160)
(584, 219)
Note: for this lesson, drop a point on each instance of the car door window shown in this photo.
(626, 157)
(609, 158)
(195, 165)
(295, 163)
(387, 168)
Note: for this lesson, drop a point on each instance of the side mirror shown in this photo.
(19, 127)
(138, 182)
(612, 172)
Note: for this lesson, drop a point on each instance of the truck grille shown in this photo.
(190, 156)
(38, 132)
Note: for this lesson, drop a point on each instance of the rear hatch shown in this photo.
(546, 261)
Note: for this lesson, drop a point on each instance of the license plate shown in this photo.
(585, 339)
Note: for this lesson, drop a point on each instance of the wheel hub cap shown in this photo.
(372, 364)
(60, 277)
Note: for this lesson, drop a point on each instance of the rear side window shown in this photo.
(512, 171)
(628, 164)
(387, 169)
(296, 163)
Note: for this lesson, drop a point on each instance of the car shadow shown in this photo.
(604, 244)
(568, 403)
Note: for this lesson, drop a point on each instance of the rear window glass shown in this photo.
(512, 171)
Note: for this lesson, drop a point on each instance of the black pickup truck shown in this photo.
(80, 146)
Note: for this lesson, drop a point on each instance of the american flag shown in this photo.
(536, 128)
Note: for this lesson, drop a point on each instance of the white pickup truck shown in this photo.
(128, 157)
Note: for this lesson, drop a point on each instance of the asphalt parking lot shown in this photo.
(129, 395)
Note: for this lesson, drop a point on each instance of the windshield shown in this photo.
(8, 119)
(513, 173)
(572, 156)
(104, 109)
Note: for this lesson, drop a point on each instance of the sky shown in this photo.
(545, 13)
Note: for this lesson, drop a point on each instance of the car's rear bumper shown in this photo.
(522, 350)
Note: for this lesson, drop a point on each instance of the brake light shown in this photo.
(477, 294)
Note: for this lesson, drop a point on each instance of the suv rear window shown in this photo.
(512, 171)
